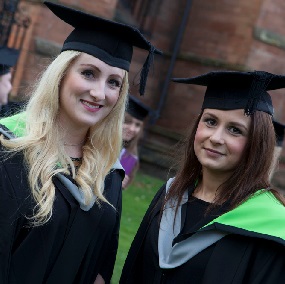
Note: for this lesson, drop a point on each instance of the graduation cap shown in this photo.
(228, 90)
(107, 40)
(279, 132)
(8, 58)
(137, 109)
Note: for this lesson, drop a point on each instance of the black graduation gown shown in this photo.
(73, 247)
(11, 108)
(233, 259)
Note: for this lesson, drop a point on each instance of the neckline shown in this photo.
(194, 198)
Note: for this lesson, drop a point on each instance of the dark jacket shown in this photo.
(73, 247)
(242, 256)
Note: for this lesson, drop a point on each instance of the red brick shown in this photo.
(219, 30)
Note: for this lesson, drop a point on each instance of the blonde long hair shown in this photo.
(44, 151)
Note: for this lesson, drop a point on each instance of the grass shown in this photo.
(136, 200)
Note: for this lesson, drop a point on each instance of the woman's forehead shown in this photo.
(88, 59)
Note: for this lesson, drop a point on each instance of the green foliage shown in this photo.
(136, 199)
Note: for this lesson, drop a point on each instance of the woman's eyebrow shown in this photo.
(210, 114)
(99, 70)
(238, 124)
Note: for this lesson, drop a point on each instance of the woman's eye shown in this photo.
(88, 74)
(210, 121)
(115, 83)
(235, 130)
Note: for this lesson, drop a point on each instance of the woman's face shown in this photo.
(221, 138)
(5, 88)
(88, 93)
(131, 127)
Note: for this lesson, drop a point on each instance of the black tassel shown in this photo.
(258, 86)
(145, 70)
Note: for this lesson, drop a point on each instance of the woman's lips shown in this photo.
(91, 106)
(213, 152)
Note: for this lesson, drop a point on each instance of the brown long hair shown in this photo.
(250, 175)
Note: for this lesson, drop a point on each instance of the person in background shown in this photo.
(8, 59)
(132, 131)
(218, 220)
(60, 178)
(279, 133)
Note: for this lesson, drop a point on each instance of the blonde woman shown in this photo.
(60, 181)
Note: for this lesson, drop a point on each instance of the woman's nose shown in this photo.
(217, 136)
(98, 91)
(132, 127)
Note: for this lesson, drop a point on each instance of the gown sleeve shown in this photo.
(267, 263)
(245, 260)
(108, 263)
(8, 223)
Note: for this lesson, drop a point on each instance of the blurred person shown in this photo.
(133, 126)
(218, 220)
(279, 133)
(60, 177)
(8, 59)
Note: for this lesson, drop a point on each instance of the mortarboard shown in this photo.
(107, 40)
(8, 58)
(228, 90)
(279, 132)
(137, 109)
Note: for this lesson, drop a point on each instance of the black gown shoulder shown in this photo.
(233, 259)
(72, 247)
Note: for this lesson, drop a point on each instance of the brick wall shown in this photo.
(165, 23)
(219, 34)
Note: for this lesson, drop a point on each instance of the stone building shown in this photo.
(196, 37)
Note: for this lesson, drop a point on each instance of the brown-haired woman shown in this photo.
(218, 220)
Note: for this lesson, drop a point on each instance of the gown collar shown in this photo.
(170, 255)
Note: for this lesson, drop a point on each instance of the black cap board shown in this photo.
(228, 90)
(107, 40)
(279, 132)
(8, 58)
(137, 109)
